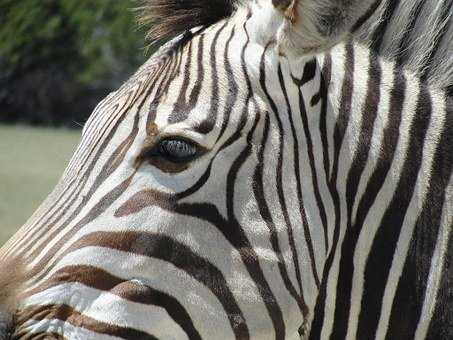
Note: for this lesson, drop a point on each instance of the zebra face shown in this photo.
(233, 189)
(169, 197)
(181, 205)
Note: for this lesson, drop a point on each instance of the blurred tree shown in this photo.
(58, 58)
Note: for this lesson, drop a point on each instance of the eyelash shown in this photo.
(174, 150)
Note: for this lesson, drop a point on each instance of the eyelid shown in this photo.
(184, 132)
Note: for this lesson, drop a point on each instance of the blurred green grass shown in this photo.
(31, 162)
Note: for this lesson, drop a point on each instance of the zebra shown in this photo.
(277, 170)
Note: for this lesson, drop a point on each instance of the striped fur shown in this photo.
(417, 35)
(319, 205)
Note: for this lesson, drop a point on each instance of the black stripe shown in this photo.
(266, 216)
(326, 74)
(370, 11)
(232, 86)
(208, 124)
(344, 284)
(340, 128)
(281, 195)
(377, 37)
(172, 306)
(441, 326)
(410, 294)
(309, 73)
(314, 175)
(170, 69)
(296, 155)
(179, 112)
(388, 147)
(383, 249)
(258, 179)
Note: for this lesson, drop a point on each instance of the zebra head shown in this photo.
(209, 193)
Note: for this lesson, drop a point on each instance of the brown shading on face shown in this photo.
(288, 9)
(12, 278)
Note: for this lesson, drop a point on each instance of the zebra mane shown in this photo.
(416, 34)
(169, 18)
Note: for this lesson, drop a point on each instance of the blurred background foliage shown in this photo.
(59, 58)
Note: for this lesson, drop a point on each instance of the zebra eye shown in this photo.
(177, 150)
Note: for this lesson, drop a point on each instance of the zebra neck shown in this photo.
(383, 135)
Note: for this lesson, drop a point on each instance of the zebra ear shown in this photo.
(314, 26)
